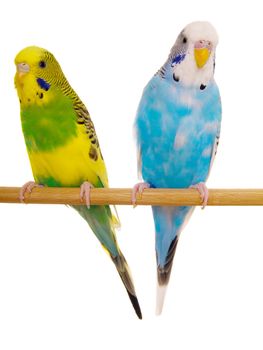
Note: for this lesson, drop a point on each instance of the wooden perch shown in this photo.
(122, 196)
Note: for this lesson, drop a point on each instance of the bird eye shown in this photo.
(184, 40)
(42, 64)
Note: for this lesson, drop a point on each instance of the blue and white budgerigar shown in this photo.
(177, 129)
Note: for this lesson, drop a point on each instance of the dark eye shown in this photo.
(42, 64)
(184, 40)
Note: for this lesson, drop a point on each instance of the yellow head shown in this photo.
(37, 74)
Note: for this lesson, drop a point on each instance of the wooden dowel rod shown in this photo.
(122, 196)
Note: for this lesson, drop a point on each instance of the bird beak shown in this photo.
(22, 69)
(202, 50)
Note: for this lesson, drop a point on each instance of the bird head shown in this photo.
(37, 71)
(192, 58)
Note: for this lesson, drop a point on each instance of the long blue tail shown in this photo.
(169, 222)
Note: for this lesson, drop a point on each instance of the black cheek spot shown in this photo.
(41, 95)
(202, 87)
(176, 78)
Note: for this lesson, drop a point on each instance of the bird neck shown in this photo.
(186, 73)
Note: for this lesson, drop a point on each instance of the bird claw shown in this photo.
(203, 191)
(138, 188)
(85, 192)
(27, 188)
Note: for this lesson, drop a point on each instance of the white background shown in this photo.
(58, 289)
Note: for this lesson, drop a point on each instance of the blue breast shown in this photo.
(176, 130)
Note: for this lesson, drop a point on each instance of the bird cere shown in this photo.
(177, 131)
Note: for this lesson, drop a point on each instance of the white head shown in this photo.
(192, 58)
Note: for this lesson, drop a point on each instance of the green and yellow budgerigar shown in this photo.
(63, 147)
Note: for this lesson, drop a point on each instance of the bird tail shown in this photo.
(169, 222)
(103, 225)
(163, 276)
(125, 275)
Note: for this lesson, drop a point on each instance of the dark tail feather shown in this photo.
(163, 275)
(135, 304)
(100, 220)
(123, 270)
(164, 272)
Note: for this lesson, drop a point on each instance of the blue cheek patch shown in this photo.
(178, 59)
(43, 84)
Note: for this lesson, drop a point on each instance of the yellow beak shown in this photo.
(201, 56)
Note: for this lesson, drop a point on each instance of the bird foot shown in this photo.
(203, 191)
(27, 188)
(138, 188)
(85, 192)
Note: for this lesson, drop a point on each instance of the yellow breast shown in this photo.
(68, 165)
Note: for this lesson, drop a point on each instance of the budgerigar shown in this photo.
(63, 147)
(177, 128)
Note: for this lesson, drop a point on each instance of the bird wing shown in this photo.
(98, 165)
(214, 150)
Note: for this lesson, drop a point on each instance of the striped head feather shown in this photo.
(38, 76)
